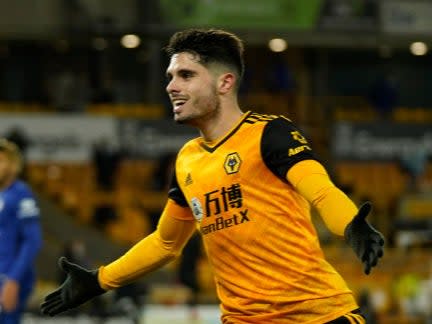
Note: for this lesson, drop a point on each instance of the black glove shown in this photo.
(80, 286)
(365, 240)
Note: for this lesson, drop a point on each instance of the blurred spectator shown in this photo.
(106, 160)
(384, 95)
(20, 236)
(17, 135)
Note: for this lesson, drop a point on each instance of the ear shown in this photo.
(226, 82)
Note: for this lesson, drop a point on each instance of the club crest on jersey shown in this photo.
(197, 209)
(232, 163)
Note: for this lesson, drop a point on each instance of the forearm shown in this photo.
(146, 256)
(335, 208)
(312, 182)
(154, 251)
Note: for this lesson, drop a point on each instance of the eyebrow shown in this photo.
(169, 74)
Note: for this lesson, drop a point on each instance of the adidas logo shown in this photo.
(188, 179)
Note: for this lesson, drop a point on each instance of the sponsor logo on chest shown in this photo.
(221, 208)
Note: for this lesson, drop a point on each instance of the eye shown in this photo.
(186, 74)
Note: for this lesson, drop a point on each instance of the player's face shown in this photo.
(6, 169)
(192, 89)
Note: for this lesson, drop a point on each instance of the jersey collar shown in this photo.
(212, 146)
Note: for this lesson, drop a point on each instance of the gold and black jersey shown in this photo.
(257, 230)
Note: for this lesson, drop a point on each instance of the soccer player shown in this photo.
(20, 236)
(247, 182)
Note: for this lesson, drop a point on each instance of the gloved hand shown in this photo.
(365, 240)
(80, 286)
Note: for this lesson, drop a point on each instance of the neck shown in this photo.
(220, 123)
(6, 183)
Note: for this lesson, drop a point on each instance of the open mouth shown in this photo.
(178, 104)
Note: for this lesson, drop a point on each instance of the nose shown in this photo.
(171, 86)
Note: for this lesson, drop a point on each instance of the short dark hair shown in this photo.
(211, 45)
(12, 151)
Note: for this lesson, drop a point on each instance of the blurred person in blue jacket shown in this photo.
(20, 236)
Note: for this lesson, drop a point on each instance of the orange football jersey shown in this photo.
(257, 230)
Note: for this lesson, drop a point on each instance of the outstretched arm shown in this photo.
(312, 181)
(174, 230)
(338, 211)
(154, 251)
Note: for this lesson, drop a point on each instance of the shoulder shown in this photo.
(283, 127)
(21, 188)
(273, 124)
(283, 145)
(188, 147)
(25, 200)
(281, 122)
(260, 119)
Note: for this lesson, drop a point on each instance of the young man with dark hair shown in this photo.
(20, 235)
(248, 182)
